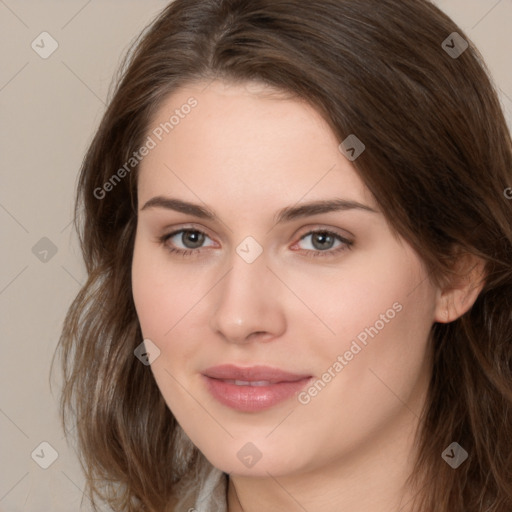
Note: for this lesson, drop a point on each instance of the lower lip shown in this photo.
(253, 398)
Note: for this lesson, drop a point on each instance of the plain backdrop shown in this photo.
(50, 108)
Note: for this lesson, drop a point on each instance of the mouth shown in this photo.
(254, 388)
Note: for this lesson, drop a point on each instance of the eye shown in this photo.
(191, 239)
(323, 241)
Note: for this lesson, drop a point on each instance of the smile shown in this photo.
(253, 388)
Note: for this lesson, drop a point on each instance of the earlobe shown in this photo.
(457, 297)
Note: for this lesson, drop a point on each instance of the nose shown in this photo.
(248, 303)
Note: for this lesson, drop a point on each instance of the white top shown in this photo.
(207, 494)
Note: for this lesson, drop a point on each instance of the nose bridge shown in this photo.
(247, 301)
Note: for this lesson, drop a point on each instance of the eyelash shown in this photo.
(346, 244)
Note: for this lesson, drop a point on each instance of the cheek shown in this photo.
(160, 292)
(372, 291)
(382, 335)
(380, 314)
(150, 301)
(167, 297)
(162, 299)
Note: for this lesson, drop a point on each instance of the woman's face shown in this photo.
(321, 315)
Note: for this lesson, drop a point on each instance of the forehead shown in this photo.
(247, 144)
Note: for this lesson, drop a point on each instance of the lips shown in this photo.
(252, 374)
(252, 388)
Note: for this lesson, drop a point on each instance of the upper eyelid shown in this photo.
(186, 228)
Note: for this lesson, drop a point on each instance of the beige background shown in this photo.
(50, 108)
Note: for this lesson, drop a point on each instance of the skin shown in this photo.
(245, 153)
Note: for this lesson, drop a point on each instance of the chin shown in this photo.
(257, 458)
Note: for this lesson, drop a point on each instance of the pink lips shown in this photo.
(252, 388)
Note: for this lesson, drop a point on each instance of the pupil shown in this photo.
(324, 239)
(195, 237)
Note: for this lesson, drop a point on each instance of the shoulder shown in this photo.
(171, 506)
(205, 490)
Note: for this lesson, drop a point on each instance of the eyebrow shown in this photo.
(285, 215)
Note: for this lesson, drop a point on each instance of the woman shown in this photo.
(298, 241)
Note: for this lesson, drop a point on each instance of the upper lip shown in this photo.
(252, 373)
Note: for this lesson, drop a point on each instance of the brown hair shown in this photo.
(438, 159)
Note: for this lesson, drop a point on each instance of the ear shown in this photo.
(458, 295)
